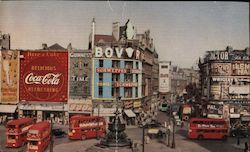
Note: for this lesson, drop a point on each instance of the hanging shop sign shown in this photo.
(44, 76)
(80, 106)
(9, 76)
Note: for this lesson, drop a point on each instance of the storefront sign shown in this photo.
(125, 84)
(241, 68)
(116, 52)
(44, 76)
(137, 104)
(230, 79)
(80, 106)
(215, 109)
(234, 115)
(9, 76)
(221, 69)
(245, 118)
(42, 107)
(105, 111)
(110, 70)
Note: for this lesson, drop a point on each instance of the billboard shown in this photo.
(43, 76)
(9, 76)
(80, 75)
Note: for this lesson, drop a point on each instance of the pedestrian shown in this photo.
(246, 147)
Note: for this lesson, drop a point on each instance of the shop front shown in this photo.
(7, 112)
(107, 113)
(40, 112)
(80, 107)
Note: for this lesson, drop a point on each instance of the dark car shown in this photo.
(58, 132)
(152, 124)
(240, 132)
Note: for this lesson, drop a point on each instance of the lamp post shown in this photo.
(51, 133)
(143, 135)
(173, 139)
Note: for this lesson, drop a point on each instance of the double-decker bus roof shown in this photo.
(206, 119)
(82, 117)
(19, 121)
(40, 125)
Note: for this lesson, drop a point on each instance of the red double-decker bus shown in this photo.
(16, 132)
(207, 128)
(83, 127)
(38, 137)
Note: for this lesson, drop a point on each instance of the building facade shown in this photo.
(225, 84)
(43, 85)
(116, 72)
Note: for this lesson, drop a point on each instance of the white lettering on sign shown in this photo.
(49, 78)
(109, 52)
(218, 55)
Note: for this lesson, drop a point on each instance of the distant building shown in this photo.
(165, 80)
(225, 84)
(4, 41)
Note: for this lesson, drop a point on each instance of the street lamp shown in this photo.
(51, 133)
(143, 135)
(173, 139)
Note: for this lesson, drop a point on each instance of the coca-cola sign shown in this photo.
(44, 76)
(50, 78)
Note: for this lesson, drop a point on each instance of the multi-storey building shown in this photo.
(149, 63)
(116, 72)
(80, 73)
(4, 41)
(225, 84)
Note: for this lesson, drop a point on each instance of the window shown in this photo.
(100, 92)
(100, 77)
(113, 91)
(164, 66)
(100, 63)
(136, 91)
(137, 65)
(85, 65)
(115, 64)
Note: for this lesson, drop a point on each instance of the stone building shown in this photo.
(225, 84)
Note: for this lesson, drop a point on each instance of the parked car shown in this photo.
(58, 132)
(241, 132)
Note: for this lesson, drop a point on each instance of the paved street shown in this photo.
(182, 143)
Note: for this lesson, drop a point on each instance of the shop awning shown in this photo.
(129, 113)
(8, 108)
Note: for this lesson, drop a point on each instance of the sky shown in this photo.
(182, 31)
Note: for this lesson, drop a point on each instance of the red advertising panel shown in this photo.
(44, 76)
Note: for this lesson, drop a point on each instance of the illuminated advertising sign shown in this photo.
(221, 69)
(116, 52)
(125, 84)
(44, 76)
(110, 70)
(241, 68)
(9, 76)
(80, 106)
